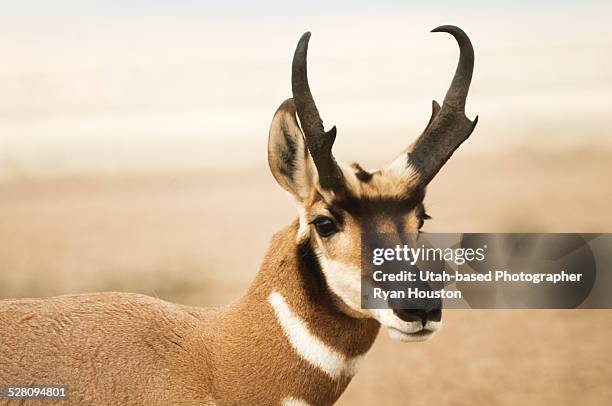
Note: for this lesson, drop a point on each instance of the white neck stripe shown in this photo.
(294, 402)
(308, 346)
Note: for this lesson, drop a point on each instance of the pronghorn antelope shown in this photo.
(298, 334)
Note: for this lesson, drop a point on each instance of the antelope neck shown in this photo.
(287, 332)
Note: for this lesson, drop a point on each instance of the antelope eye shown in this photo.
(325, 226)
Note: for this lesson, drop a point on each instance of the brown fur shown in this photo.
(119, 348)
(114, 348)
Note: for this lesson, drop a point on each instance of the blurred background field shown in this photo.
(133, 158)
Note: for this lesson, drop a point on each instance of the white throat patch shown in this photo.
(308, 346)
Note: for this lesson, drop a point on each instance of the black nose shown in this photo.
(422, 315)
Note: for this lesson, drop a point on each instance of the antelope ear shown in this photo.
(288, 155)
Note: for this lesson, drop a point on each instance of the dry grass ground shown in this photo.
(199, 238)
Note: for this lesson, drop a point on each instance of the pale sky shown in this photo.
(146, 85)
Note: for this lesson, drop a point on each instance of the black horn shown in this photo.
(318, 141)
(449, 126)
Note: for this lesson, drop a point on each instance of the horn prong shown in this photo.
(448, 126)
(318, 141)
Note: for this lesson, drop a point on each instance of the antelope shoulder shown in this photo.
(106, 346)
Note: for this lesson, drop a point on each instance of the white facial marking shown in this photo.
(401, 330)
(302, 233)
(309, 347)
(344, 280)
(294, 402)
(434, 325)
(389, 319)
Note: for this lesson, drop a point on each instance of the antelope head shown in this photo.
(337, 203)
